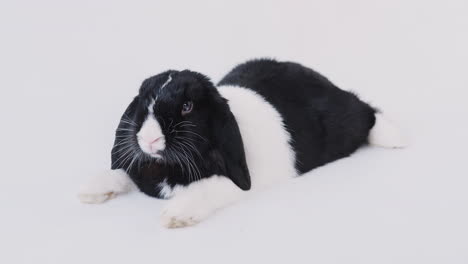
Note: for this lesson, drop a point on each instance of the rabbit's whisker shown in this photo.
(191, 132)
(123, 157)
(125, 129)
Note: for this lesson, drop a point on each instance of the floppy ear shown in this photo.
(231, 148)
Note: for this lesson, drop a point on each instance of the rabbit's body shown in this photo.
(324, 122)
(206, 146)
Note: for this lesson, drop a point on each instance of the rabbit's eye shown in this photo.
(187, 107)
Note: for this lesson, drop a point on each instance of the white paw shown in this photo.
(105, 186)
(182, 214)
(95, 198)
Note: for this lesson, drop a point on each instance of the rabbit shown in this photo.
(204, 146)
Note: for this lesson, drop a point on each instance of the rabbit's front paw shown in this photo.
(183, 213)
(95, 198)
(105, 186)
(96, 191)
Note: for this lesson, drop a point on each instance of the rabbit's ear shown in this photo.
(230, 148)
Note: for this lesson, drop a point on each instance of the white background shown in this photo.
(68, 70)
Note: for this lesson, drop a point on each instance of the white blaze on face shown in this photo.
(150, 137)
(167, 82)
(162, 87)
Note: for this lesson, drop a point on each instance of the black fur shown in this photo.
(204, 142)
(325, 122)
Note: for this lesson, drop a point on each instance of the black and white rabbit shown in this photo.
(204, 146)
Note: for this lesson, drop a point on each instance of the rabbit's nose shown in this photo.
(156, 140)
(154, 144)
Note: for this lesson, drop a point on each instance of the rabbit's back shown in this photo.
(325, 123)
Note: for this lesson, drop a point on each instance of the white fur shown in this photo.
(270, 157)
(149, 132)
(195, 202)
(105, 186)
(166, 191)
(386, 134)
(151, 106)
(169, 79)
(151, 129)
